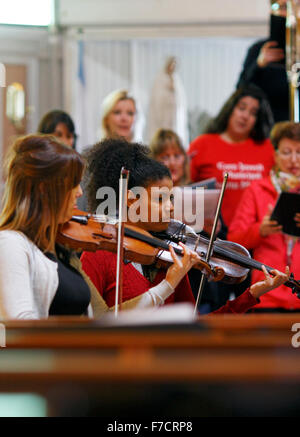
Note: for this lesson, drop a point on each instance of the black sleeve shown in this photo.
(251, 70)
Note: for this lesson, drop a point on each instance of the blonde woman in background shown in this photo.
(118, 115)
(118, 121)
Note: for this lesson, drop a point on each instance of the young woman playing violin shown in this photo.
(154, 285)
(41, 189)
(38, 278)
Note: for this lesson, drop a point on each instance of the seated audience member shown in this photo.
(118, 121)
(167, 148)
(236, 141)
(41, 189)
(59, 124)
(252, 226)
(39, 278)
(105, 161)
(118, 115)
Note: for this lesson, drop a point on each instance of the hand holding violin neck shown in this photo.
(272, 280)
(181, 251)
(290, 282)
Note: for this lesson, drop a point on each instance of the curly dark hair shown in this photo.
(264, 121)
(105, 161)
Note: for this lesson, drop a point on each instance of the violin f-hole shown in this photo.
(102, 235)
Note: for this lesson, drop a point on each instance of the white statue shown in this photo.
(167, 106)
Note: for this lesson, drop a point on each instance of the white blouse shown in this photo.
(28, 279)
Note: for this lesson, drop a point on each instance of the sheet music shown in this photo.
(193, 206)
(176, 313)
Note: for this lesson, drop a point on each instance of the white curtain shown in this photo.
(209, 69)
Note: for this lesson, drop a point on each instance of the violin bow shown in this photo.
(123, 186)
(211, 241)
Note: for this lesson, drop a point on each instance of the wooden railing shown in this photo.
(221, 347)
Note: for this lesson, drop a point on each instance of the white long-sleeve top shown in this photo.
(29, 280)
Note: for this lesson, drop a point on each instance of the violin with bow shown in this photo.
(232, 257)
(91, 232)
(230, 262)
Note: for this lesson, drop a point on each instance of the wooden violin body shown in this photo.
(234, 273)
(230, 262)
(95, 235)
(85, 232)
(234, 259)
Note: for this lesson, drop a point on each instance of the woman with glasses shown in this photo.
(252, 225)
(166, 147)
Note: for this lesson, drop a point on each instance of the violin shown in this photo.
(93, 232)
(233, 258)
(230, 262)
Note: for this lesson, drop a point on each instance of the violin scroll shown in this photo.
(294, 285)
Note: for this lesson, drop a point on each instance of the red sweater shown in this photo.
(100, 266)
(245, 162)
(271, 250)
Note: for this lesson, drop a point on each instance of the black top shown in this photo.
(272, 80)
(73, 294)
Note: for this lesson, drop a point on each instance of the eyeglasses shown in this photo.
(289, 153)
(167, 158)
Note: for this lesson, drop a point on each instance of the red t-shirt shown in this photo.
(245, 162)
(100, 266)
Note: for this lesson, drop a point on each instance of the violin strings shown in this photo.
(226, 253)
(150, 240)
(231, 255)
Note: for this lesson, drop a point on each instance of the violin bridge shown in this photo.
(196, 243)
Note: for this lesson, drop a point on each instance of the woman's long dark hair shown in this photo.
(264, 121)
(48, 123)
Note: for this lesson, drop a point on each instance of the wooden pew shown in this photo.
(219, 350)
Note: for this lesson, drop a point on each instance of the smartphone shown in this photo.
(278, 31)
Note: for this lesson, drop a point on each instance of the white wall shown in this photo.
(148, 30)
(126, 42)
(41, 52)
(132, 12)
(123, 19)
(209, 69)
